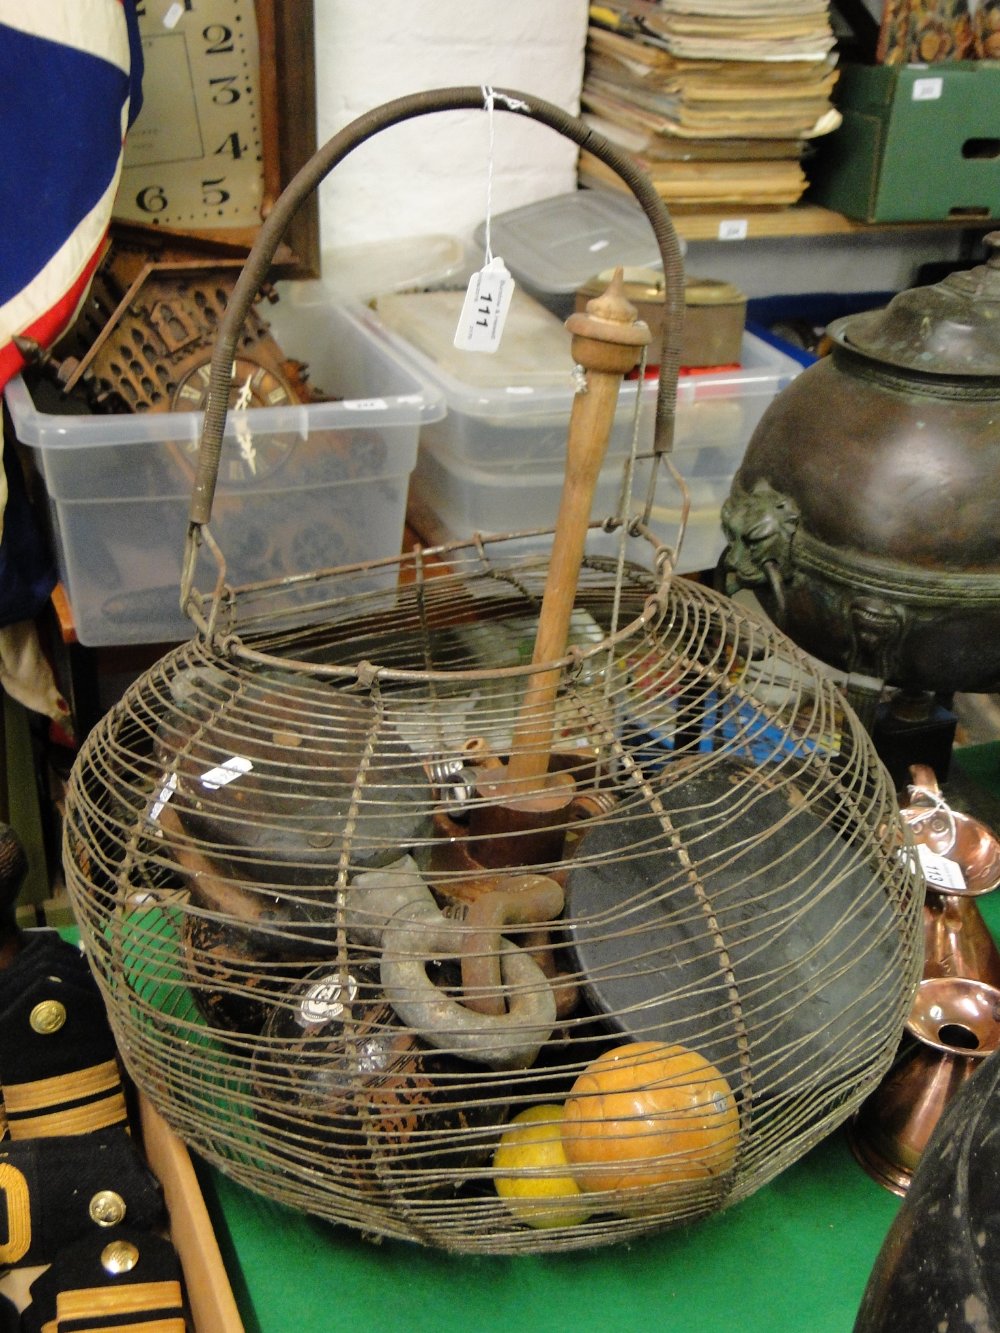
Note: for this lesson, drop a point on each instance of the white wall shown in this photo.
(429, 175)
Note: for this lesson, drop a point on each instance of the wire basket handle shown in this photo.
(309, 178)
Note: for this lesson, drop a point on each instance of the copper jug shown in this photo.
(953, 1025)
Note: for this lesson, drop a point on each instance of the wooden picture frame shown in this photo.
(228, 117)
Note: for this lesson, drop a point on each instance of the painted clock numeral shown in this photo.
(218, 39)
(224, 90)
(200, 110)
(151, 199)
(232, 146)
(212, 192)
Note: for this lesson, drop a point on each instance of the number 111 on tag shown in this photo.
(484, 310)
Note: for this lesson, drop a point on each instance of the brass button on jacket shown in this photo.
(47, 1016)
(107, 1208)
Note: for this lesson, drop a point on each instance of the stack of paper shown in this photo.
(717, 100)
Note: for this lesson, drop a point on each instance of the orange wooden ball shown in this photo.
(647, 1113)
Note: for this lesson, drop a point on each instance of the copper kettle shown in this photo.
(864, 512)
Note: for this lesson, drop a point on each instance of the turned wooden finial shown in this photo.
(607, 339)
(611, 315)
(607, 335)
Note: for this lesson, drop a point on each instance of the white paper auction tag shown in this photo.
(484, 311)
(939, 871)
(225, 773)
(168, 785)
(733, 229)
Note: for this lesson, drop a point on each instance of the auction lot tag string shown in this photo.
(488, 296)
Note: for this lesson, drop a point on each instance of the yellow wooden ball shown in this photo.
(647, 1114)
(541, 1191)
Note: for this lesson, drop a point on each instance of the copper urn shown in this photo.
(864, 514)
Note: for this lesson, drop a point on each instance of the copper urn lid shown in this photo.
(950, 328)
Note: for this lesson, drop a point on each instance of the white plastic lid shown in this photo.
(358, 272)
(534, 353)
(555, 245)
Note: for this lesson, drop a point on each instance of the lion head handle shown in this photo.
(759, 525)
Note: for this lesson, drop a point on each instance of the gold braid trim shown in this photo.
(169, 1325)
(14, 1185)
(101, 1303)
(79, 1120)
(48, 1092)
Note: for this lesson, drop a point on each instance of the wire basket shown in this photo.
(366, 970)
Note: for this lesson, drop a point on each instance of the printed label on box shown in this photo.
(733, 229)
(927, 90)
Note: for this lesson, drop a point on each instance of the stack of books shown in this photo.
(718, 101)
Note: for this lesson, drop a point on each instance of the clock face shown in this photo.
(194, 157)
(254, 454)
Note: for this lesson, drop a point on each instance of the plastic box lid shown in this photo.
(533, 353)
(370, 268)
(556, 244)
(483, 389)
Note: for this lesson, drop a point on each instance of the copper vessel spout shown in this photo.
(968, 842)
(953, 1025)
(957, 941)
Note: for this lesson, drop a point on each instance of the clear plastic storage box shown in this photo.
(554, 245)
(300, 488)
(450, 499)
(510, 409)
(493, 463)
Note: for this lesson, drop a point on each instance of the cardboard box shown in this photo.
(919, 143)
(209, 1294)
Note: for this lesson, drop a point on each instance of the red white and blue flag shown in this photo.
(70, 75)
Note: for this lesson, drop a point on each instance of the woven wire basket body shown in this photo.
(364, 965)
(726, 878)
